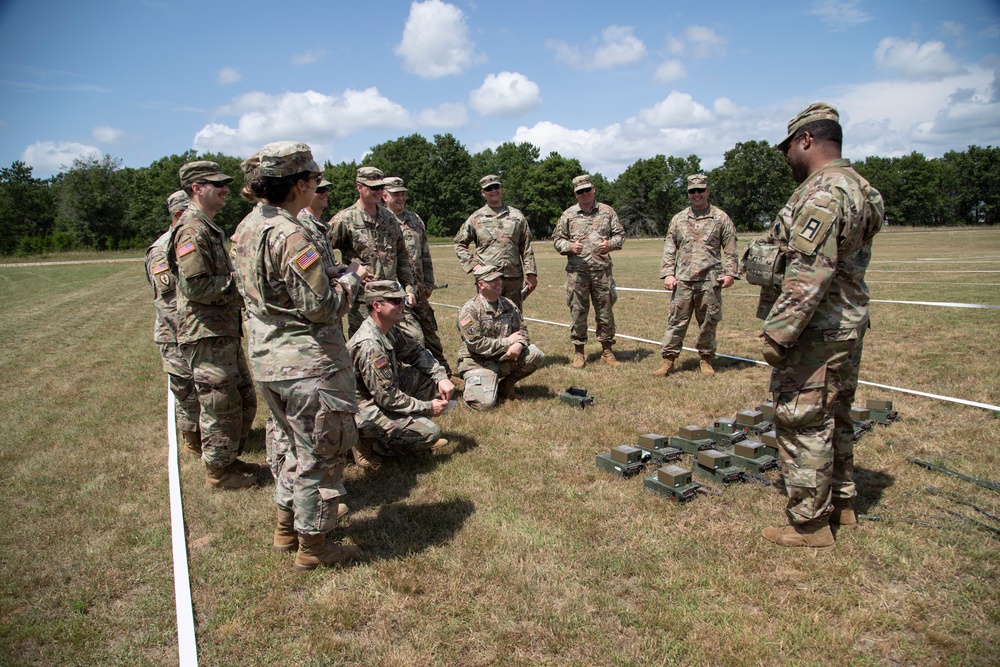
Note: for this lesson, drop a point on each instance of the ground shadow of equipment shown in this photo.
(534, 391)
(401, 529)
(628, 356)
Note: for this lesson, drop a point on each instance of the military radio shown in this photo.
(657, 447)
(623, 461)
(672, 482)
(724, 432)
(750, 455)
(752, 422)
(770, 442)
(862, 421)
(882, 412)
(692, 439)
(716, 468)
(577, 397)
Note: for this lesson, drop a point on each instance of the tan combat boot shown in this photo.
(440, 444)
(314, 551)
(843, 512)
(459, 383)
(579, 360)
(666, 369)
(706, 366)
(192, 442)
(285, 537)
(364, 454)
(608, 356)
(228, 478)
(813, 535)
(246, 468)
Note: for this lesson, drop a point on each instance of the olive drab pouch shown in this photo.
(763, 264)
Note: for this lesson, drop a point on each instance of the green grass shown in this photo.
(510, 548)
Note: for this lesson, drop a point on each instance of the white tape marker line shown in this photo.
(949, 399)
(943, 304)
(187, 645)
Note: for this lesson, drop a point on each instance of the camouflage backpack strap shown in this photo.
(874, 212)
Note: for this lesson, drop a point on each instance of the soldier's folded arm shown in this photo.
(370, 362)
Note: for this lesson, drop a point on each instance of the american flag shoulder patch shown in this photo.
(306, 258)
(381, 362)
(466, 321)
(159, 268)
(186, 249)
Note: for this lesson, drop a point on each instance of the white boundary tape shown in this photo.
(187, 644)
(949, 399)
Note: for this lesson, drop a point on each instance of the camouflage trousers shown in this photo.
(482, 380)
(316, 419)
(703, 299)
(581, 289)
(226, 396)
(812, 396)
(396, 434)
(186, 407)
(421, 324)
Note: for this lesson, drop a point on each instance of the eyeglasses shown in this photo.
(491, 188)
(217, 184)
(584, 191)
(376, 188)
(322, 191)
(394, 300)
(696, 191)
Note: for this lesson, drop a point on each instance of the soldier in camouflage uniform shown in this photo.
(394, 400)
(495, 352)
(368, 233)
(815, 329)
(176, 366)
(503, 240)
(699, 261)
(208, 327)
(418, 321)
(587, 234)
(295, 304)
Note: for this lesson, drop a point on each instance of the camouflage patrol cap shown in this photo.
(813, 112)
(370, 176)
(383, 289)
(394, 184)
(697, 182)
(323, 183)
(202, 170)
(486, 181)
(487, 272)
(178, 201)
(286, 158)
(250, 166)
(582, 182)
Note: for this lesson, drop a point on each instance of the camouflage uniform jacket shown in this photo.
(695, 245)
(829, 246)
(502, 239)
(318, 232)
(377, 243)
(208, 303)
(294, 310)
(376, 358)
(600, 223)
(485, 330)
(164, 290)
(415, 235)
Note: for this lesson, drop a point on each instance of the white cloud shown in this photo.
(436, 41)
(447, 115)
(952, 28)
(669, 71)
(618, 47)
(309, 57)
(676, 110)
(309, 116)
(921, 62)
(697, 42)
(228, 75)
(107, 135)
(839, 15)
(49, 157)
(506, 94)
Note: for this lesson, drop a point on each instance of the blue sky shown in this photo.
(605, 82)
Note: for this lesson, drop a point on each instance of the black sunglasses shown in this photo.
(394, 300)
(491, 188)
(376, 188)
(217, 184)
(322, 191)
(584, 191)
(696, 190)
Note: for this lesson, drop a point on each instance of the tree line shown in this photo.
(98, 204)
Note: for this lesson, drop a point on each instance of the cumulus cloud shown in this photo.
(618, 46)
(107, 135)
(953, 28)
(447, 115)
(309, 116)
(309, 57)
(922, 62)
(436, 41)
(228, 75)
(669, 71)
(697, 42)
(506, 94)
(49, 157)
(676, 110)
(839, 15)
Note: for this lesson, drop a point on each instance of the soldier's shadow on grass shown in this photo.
(635, 356)
(402, 529)
(255, 440)
(871, 486)
(531, 392)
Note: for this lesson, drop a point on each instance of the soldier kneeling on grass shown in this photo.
(399, 383)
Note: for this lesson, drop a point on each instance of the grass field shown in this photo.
(510, 547)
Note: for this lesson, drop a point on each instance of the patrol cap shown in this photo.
(178, 201)
(323, 183)
(250, 166)
(202, 170)
(487, 272)
(370, 176)
(286, 158)
(582, 182)
(813, 112)
(697, 182)
(394, 184)
(383, 289)
(486, 181)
